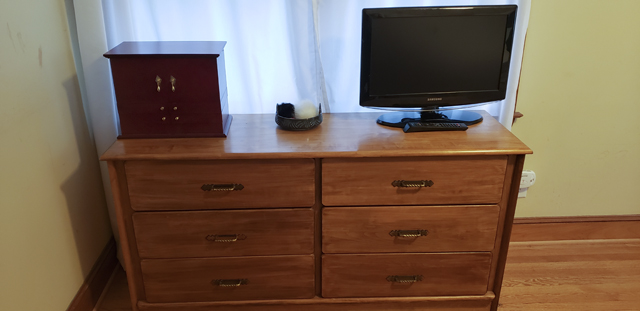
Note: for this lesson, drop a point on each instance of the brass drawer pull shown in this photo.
(173, 84)
(225, 238)
(222, 187)
(404, 278)
(408, 233)
(230, 282)
(412, 183)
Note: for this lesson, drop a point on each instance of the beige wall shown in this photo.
(580, 95)
(53, 218)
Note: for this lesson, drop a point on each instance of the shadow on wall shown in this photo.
(83, 189)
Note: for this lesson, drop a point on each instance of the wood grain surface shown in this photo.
(442, 274)
(268, 277)
(176, 185)
(348, 161)
(576, 228)
(456, 180)
(441, 303)
(593, 275)
(128, 243)
(452, 303)
(589, 275)
(97, 280)
(510, 199)
(212, 233)
(340, 135)
(450, 228)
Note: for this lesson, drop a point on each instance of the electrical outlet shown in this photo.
(522, 192)
(527, 180)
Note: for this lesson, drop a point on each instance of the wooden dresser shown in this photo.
(348, 216)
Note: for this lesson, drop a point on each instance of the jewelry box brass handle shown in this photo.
(408, 233)
(158, 81)
(412, 183)
(404, 278)
(222, 187)
(230, 282)
(173, 84)
(225, 238)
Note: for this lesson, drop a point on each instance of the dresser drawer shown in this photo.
(224, 233)
(413, 181)
(401, 275)
(232, 278)
(164, 124)
(394, 229)
(223, 184)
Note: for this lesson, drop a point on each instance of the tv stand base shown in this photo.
(400, 119)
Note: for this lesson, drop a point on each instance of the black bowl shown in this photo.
(291, 124)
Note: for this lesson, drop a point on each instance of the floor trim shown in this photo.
(576, 228)
(570, 219)
(96, 282)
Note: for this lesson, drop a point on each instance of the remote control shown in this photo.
(433, 126)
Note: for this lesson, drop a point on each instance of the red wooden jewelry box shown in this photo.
(170, 89)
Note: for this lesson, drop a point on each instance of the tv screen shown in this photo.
(435, 57)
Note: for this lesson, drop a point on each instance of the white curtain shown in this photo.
(280, 50)
(270, 55)
(277, 51)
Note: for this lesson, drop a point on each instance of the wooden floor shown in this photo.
(585, 275)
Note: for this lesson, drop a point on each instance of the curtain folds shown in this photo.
(270, 53)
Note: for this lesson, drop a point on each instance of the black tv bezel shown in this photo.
(422, 100)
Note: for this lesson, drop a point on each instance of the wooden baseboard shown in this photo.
(575, 228)
(94, 284)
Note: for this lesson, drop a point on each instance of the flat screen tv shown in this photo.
(426, 61)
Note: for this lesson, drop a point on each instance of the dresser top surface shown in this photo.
(167, 48)
(341, 135)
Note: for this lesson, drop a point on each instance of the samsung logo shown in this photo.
(434, 99)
